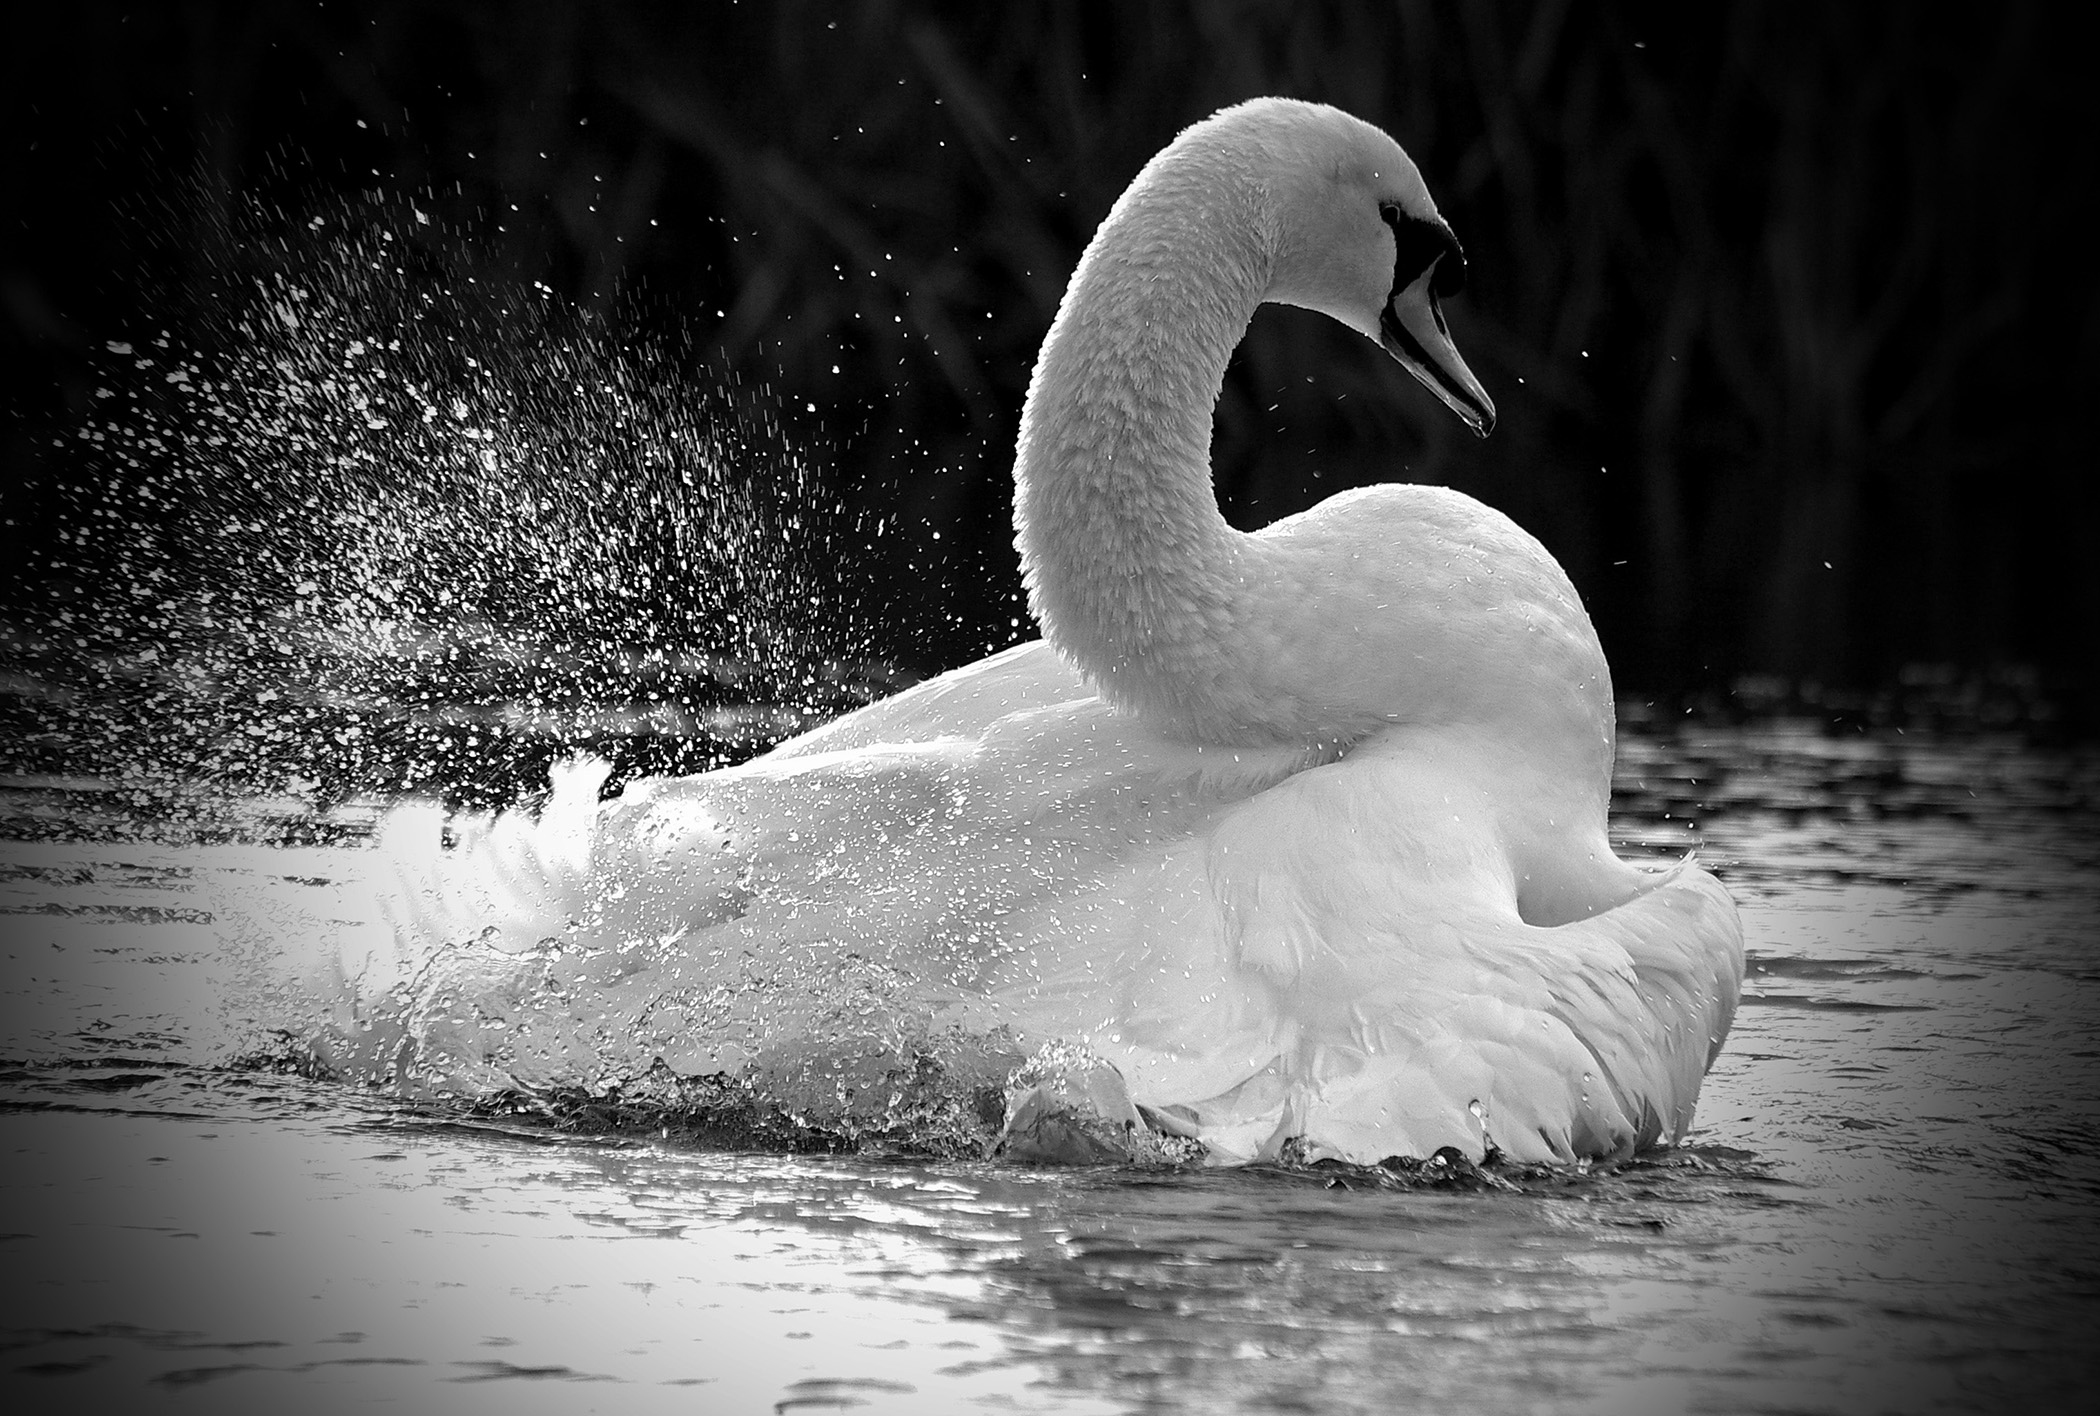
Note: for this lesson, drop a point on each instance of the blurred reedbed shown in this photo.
(1778, 302)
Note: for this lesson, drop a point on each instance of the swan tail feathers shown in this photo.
(516, 877)
(1655, 1016)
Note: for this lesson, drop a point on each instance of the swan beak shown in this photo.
(1412, 329)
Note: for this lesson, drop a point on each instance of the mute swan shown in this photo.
(1291, 842)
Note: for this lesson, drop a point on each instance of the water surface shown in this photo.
(1888, 1202)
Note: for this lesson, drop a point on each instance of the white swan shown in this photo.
(1297, 838)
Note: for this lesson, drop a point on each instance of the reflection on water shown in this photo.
(1889, 1201)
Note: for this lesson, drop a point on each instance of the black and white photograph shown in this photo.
(1217, 706)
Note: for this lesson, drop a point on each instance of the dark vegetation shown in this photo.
(1788, 309)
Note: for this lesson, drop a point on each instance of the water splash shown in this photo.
(355, 517)
(351, 512)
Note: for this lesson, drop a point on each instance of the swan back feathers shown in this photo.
(1312, 630)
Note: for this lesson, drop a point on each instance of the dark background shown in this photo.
(1788, 310)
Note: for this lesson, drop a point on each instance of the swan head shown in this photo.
(1357, 237)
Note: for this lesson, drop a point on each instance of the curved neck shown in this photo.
(1130, 567)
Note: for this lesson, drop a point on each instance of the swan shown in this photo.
(1286, 844)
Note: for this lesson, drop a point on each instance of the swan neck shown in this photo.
(1131, 569)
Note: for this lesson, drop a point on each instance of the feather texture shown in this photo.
(1295, 837)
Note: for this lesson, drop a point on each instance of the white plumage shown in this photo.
(1300, 833)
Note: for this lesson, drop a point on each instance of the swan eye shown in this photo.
(1420, 244)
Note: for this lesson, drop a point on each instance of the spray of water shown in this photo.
(351, 513)
(355, 520)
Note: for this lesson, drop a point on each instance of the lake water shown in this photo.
(1890, 1200)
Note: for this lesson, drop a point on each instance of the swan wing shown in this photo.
(963, 702)
(710, 920)
(1267, 951)
(1339, 961)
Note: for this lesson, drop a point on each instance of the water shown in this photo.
(318, 546)
(352, 510)
(1888, 1202)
